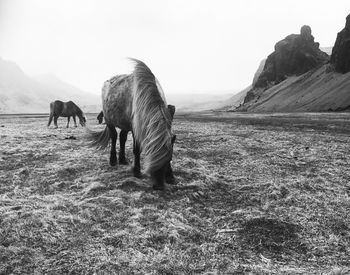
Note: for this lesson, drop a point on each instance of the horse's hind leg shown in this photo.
(137, 165)
(50, 120)
(114, 135)
(68, 119)
(122, 139)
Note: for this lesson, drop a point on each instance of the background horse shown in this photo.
(65, 109)
(136, 103)
(100, 117)
(123, 135)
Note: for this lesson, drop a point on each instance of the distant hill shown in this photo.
(236, 100)
(20, 93)
(199, 101)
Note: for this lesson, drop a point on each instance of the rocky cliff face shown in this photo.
(340, 58)
(294, 55)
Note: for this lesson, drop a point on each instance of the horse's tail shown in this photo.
(99, 140)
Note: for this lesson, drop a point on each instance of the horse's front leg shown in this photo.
(114, 135)
(122, 140)
(137, 165)
(68, 119)
(157, 178)
(55, 121)
(75, 122)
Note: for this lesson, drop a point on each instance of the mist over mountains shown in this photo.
(20, 93)
(298, 76)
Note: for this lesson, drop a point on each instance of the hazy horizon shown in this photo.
(191, 46)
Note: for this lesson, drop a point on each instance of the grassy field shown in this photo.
(259, 194)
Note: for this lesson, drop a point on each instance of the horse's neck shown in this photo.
(79, 112)
(80, 115)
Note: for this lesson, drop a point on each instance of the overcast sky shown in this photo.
(190, 45)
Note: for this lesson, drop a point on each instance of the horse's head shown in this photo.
(100, 117)
(164, 173)
(169, 175)
(82, 120)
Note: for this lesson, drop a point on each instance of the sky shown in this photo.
(212, 46)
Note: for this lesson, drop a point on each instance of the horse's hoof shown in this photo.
(113, 163)
(123, 162)
(137, 174)
(158, 187)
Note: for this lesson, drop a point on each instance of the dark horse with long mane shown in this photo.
(65, 109)
(136, 103)
(169, 176)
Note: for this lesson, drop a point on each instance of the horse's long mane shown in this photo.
(151, 120)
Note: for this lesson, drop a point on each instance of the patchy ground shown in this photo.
(261, 194)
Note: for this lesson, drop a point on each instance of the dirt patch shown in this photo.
(272, 237)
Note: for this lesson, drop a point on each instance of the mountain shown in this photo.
(315, 91)
(294, 55)
(20, 93)
(65, 92)
(236, 100)
(300, 77)
(340, 58)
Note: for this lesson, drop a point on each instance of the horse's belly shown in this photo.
(118, 118)
(117, 106)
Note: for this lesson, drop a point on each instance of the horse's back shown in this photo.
(117, 101)
(56, 107)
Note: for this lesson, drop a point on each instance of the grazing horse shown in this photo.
(65, 109)
(136, 103)
(169, 176)
(100, 117)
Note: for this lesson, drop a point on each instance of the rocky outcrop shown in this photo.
(300, 77)
(294, 55)
(340, 58)
(318, 90)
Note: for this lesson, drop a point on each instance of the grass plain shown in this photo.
(255, 194)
